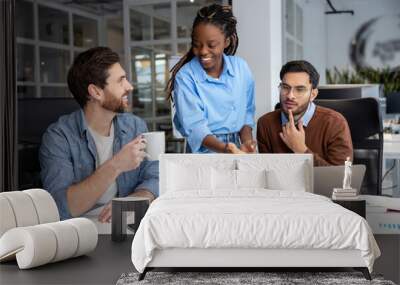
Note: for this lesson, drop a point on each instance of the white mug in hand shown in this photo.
(155, 144)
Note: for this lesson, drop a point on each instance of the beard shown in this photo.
(115, 105)
(301, 109)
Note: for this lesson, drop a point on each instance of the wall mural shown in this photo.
(377, 44)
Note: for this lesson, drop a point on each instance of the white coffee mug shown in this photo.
(155, 144)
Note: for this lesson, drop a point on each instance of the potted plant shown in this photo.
(390, 79)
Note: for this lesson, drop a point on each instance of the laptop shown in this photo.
(328, 177)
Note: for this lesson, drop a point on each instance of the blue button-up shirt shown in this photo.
(68, 156)
(206, 105)
(306, 117)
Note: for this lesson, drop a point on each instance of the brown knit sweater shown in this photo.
(327, 136)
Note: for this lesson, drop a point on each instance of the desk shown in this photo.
(391, 150)
(102, 266)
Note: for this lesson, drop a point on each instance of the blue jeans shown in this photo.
(226, 138)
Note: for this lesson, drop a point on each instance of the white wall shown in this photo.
(342, 28)
(327, 38)
(260, 44)
(314, 35)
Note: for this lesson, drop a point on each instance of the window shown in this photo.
(51, 33)
(155, 36)
(48, 38)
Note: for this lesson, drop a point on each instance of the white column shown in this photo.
(260, 44)
(315, 36)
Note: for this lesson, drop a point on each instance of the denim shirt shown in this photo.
(68, 155)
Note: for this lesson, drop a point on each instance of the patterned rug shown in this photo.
(269, 278)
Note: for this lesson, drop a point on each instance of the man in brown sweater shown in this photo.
(299, 126)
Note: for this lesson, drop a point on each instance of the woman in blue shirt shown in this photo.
(212, 89)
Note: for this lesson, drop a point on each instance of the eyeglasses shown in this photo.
(298, 91)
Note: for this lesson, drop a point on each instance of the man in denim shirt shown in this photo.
(96, 153)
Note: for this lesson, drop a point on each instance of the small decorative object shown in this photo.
(120, 207)
(347, 174)
(346, 192)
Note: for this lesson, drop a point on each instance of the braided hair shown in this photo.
(215, 14)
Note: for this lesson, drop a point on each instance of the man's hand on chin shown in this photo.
(293, 137)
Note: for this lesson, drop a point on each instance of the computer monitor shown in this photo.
(328, 177)
(349, 91)
(393, 103)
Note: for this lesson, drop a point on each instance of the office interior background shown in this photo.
(150, 35)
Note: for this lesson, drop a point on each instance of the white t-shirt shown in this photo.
(104, 146)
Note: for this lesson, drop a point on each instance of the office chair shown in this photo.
(365, 121)
(177, 138)
(34, 116)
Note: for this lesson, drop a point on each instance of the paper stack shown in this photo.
(344, 194)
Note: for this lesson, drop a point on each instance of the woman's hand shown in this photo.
(232, 148)
(248, 146)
